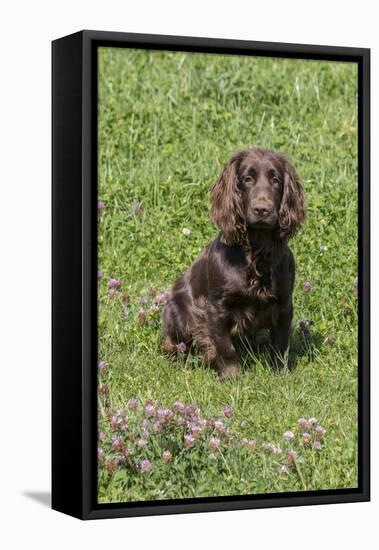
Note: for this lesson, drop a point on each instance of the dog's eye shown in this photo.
(276, 180)
(248, 179)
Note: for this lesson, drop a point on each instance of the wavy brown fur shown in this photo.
(243, 280)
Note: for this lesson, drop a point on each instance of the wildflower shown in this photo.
(221, 428)
(168, 414)
(312, 421)
(228, 411)
(302, 424)
(186, 231)
(161, 297)
(101, 366)
(158, 427)
(306, 438)
(288, 435)
(189, 440)
(319, 432)
(214, 443)
(181, 347)
(100, 454)
(101, 436)
(356, 281)
(114, 283)
(195, 429)
(137, 208)
(123, 424)
(219, 425)
(346, 308)
(207, 424)
(143, 300)
(111, 465)
(194, 410)
(161, 414)
(116, 442)
(100, 205)
(167, 456)
(99, 274)
(114, 422)
(150, 409)
(283, 470)
(133, 437)
(142, 314)
(142, 443)
(292, 457)
(154, 308)
(103, 390)
(178, 407)
(330, 340)
(125, 298)
(307, 286)
(273, 448)
(132, 404)
(189, 410)
(318, 445)
(252, 443)
(112, 294)
(243, 423)
(145, 465)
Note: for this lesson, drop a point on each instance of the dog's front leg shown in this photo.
(224, 358)
(280, 334)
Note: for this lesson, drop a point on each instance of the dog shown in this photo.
(243, 281)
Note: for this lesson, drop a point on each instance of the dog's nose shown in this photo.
(261, 209)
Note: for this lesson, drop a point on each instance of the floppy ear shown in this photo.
(227, 210)
(292, 210)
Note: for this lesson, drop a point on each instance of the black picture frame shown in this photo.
(74, 294)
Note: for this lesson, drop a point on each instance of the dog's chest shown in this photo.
(250, 314)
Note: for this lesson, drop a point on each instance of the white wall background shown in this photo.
(27, 29)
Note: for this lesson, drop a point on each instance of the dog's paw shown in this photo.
(232, 371)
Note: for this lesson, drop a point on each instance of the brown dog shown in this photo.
(243, 280)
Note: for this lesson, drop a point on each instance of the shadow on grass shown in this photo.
(253, 351)
(258, 350)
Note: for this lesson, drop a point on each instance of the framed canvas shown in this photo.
(210, 274)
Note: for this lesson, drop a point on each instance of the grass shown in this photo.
(168, 121)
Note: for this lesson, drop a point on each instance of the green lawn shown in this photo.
(167, 123)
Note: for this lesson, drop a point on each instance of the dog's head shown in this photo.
(257, 190)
